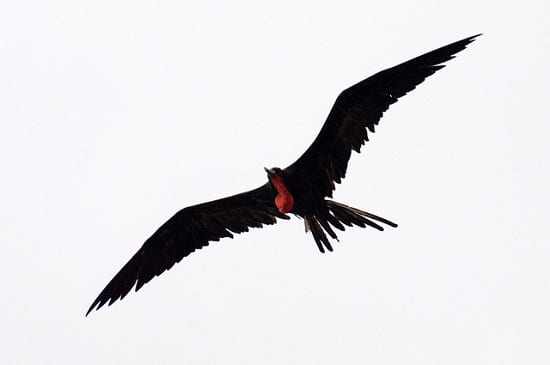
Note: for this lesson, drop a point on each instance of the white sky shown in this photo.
(116, 115)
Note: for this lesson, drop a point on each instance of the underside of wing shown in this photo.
(188, 230)
(356, 111)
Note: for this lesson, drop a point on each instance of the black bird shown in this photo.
(301, 188)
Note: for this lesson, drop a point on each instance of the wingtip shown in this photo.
(471, 38)
(93, 306)
(90, 310)
(97, 304)
(463, 43)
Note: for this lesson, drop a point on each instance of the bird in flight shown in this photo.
(301, 189)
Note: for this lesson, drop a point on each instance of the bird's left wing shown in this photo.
(358, 109)
(188, 230)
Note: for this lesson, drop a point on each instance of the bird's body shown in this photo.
(301, 189)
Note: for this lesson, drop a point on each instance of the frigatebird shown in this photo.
(300, 189)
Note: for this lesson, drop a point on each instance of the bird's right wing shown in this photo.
(190, 229)
(359, 108)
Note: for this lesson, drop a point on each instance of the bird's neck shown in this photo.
(284, 200)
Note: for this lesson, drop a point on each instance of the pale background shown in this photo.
(114, 115)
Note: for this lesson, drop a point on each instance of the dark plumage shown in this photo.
(300, 189)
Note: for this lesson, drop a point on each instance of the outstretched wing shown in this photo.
(359, 108)
(188, 230)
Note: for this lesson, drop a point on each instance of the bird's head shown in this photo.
(274, 173)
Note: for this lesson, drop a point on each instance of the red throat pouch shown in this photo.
(284, 200)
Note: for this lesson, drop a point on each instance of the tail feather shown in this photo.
(328, 229)
(335, 222)
(318, 233)
(358, 213)
(338, 215)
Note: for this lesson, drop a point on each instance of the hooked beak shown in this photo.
(269, 172)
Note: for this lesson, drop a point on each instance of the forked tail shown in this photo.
(337, 216)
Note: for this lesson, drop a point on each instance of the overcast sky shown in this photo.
(114, 115)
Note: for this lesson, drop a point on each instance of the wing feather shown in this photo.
(358, 110)
(188, 230)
